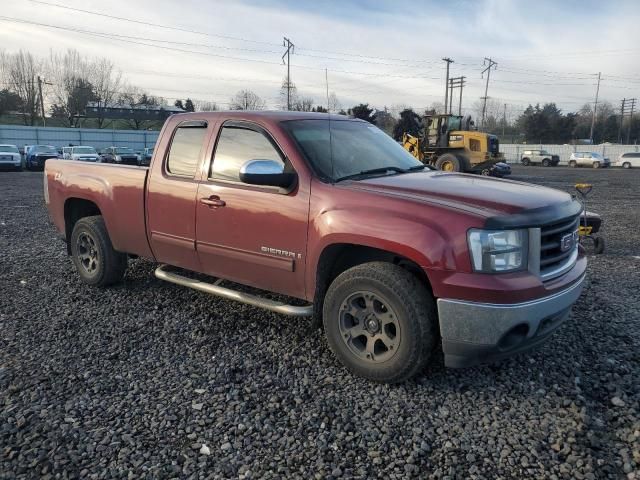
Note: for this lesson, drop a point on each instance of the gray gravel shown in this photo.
(150, 379)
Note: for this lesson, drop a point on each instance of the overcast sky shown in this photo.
(381, 53)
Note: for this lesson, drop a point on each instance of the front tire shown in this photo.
(573, 164)
(596, 165)
(97, 263)
(380, 322)
(626, 165)
(546, 162)
(526, 162)
(450, 163)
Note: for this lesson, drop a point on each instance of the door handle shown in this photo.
(213, 201)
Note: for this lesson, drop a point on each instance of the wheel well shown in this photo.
(74, 210)
(338, 258)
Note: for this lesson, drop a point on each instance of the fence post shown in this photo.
(145, 139)
(113, 138)
(80, 136)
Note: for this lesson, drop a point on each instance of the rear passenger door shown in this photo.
(250, 234)
(171, 194)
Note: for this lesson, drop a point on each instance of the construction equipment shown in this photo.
(590, 222)
(450, 143)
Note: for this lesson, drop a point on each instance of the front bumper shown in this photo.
(10, 163)
(474, 333)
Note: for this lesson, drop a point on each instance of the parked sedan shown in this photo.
(588, 159)
(628, 160)
(36, 155)
(542, 157)
(10, 157)
(121, 155)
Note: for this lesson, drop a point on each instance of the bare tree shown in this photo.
(136, 98)
(333, 103)
(205, 106)
(106, 80)
(291, 91)
(20, 72)
(71, 89)
(247, 100)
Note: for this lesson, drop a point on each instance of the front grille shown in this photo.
(558, 247)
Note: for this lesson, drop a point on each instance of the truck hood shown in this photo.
(483, 196)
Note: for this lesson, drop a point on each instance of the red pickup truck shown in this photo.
(391, 256)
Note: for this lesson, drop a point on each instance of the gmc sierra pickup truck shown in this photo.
(389, 256)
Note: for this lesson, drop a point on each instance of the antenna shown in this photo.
(326, 81)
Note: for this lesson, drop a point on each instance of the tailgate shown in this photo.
(116, 191)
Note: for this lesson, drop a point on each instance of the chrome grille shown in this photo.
(558, 247)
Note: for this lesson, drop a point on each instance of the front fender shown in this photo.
(430, 243)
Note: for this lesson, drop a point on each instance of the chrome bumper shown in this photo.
(475, 333)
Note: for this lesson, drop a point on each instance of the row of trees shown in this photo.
(71, 81)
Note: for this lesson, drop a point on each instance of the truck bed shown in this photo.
(117, 191)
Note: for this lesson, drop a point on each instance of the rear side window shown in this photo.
(631, 155)
(236, 146)
(184, 153)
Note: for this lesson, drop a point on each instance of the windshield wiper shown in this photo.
(372, 171)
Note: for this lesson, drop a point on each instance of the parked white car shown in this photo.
(588, 159)
(10, 157)
(628, 160)
(80, 152)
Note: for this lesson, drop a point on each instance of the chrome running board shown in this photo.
(216, 289)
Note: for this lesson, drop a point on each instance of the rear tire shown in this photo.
(546, 162)
(526, 162)
(449, 163)
(97, 263)
(626, 165)
(380, 321)
(573, 164)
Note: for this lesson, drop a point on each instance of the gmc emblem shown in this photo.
(568, 241)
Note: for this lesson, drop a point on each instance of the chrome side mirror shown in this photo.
(267, 173)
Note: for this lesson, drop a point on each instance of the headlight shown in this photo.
(118, 158)
(498, 250)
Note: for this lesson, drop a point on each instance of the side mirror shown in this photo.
(267, 173)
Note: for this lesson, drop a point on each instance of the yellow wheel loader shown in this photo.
(449, 143)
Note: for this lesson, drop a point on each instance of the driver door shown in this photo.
(250, 234)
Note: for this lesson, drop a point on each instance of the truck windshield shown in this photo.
(8, 148)
(354, 147)
(84, 150)
(124, 150)
(44, 149)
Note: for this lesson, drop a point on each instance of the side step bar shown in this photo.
(215, 289)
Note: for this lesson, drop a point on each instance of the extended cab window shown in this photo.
(236, 146)
(184, 153)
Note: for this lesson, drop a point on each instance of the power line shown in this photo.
(141, 22)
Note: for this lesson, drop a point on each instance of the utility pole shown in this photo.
(595, 110)
(290, 48)
(633, 105)
(450, 95)
(504, 120)
(456, 82)
(622, 109)
(446, 85)
(490, 63)
(41, 100)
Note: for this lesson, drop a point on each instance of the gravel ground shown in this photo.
(152, 380)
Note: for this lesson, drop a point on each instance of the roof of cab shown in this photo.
(264, 115)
